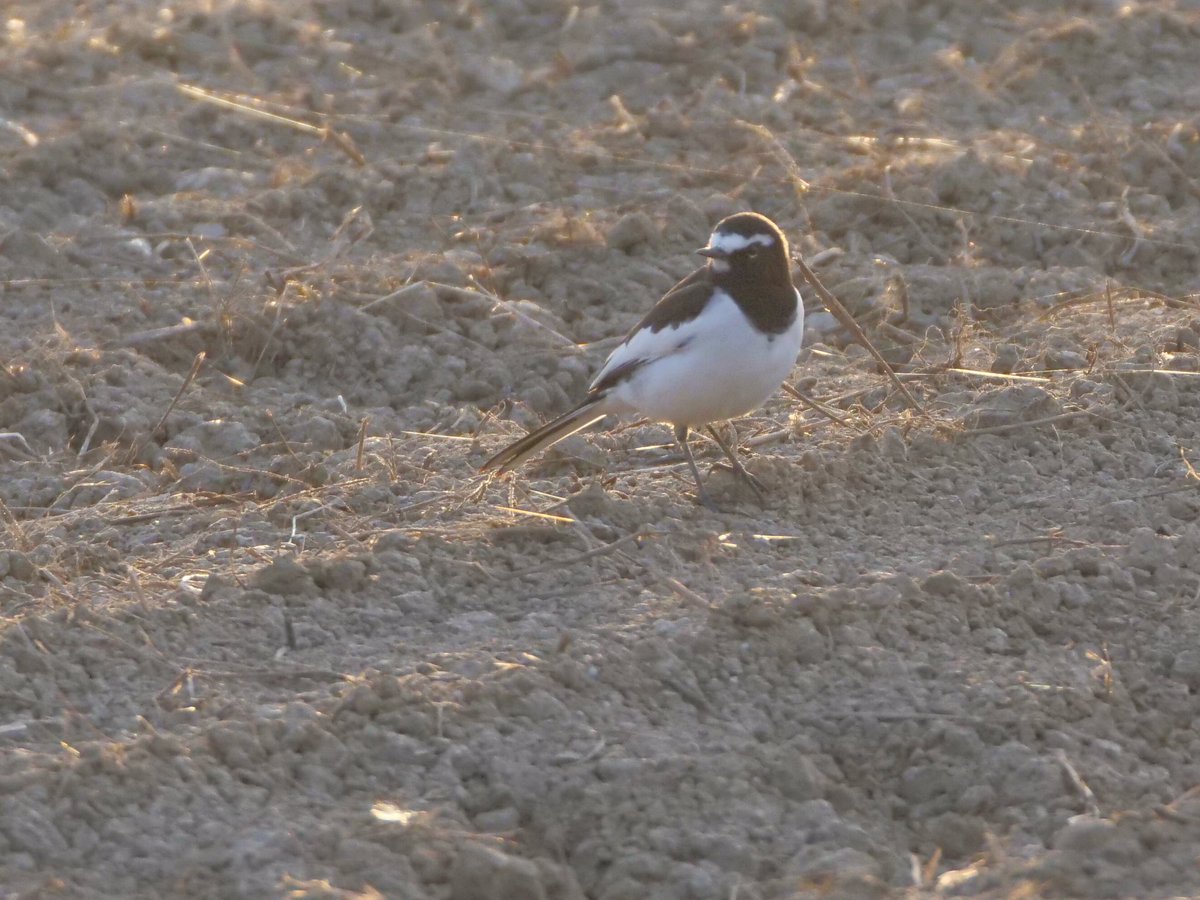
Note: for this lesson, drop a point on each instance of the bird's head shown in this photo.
(748, 244)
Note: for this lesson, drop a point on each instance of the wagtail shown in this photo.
(714, 348)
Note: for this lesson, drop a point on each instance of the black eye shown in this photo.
(752, 251)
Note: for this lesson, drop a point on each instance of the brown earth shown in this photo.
(266, 632)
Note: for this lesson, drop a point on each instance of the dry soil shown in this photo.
(277, 275)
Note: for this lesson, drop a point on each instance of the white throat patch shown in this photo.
(728, 242)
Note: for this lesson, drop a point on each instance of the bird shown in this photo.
(714, 348)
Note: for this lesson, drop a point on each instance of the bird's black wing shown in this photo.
(680, 305)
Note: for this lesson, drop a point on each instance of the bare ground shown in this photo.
(276, 276)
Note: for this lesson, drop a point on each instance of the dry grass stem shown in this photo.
(252, 109)
(613, 547)
(360, 455)
(814, 404)
(974, 373)
(565, 520)
(523, 316)
(1077, 782)
(768, 437)
(781, 154)
(1032, 423)
(224, 101)
(935, 253)
(170, 332)
(14, 446)
(843, 315)
(899, 334)
(398, 294)
(188, 379)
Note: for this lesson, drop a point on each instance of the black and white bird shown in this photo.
(715, 347)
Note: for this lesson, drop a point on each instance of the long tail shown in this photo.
(587, 413)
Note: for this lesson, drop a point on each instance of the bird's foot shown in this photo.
(740, 472)
(705, 500)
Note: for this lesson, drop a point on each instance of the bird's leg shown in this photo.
(681, 438)
(730, 450)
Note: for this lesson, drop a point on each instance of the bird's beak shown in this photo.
(712, 253)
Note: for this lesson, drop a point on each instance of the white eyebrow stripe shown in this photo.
(727, 242)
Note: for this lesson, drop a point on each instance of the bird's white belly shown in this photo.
(725, 369)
